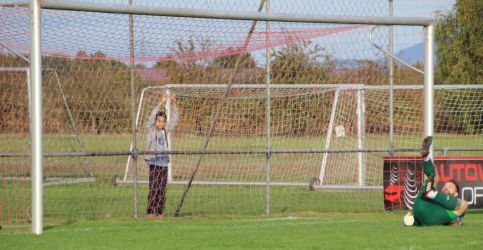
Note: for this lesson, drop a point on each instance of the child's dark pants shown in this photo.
(158, 181)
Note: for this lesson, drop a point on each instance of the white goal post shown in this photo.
(36, 63)
(359, 115)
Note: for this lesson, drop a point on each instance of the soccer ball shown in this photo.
(313, 182)
(409, 219)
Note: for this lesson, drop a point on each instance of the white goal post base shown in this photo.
(50, 181)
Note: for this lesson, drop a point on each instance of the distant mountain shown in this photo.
(409, 55)
(412, 54)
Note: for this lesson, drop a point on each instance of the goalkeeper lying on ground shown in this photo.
(432, 207)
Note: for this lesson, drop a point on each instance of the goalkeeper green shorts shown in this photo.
(427, 213)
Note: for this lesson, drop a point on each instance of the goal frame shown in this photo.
(361, 144)
(360, 116)
(36, 63)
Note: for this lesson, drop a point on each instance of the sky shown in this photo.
(87, 33)
(421, 8)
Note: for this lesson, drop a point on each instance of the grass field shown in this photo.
(99, 214)
(308, 232)
(121, 142)
(109, 166)
(66, 203)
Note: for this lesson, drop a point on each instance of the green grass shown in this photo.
(297, 168)
(102, 200)
(378, 232)
(109, 166)
(121, 142)
(97, 215)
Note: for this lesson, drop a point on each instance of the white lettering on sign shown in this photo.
(475, 193)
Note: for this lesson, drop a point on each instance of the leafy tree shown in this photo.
(229, 61)
(305, 63)
(13, 96)
(184, 67)
(301, 62)
(459, 39)
(97, 91)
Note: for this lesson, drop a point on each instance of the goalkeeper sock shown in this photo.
(429, 185)
(444, 200)
(428, 166)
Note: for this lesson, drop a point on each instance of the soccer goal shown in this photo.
(284, 109)
(341, 125)
(327, 119)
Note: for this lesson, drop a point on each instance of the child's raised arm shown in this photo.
(173, 116)
(152, 117)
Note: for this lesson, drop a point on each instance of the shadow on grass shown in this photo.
(61, 224)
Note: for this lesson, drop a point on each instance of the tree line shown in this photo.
(98, 90)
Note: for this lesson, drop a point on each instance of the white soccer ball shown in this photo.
(409, 219)
(339, 131)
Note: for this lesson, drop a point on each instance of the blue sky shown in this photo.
(91, 32)
(421, 8)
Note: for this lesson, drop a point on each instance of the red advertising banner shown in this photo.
(403, 177)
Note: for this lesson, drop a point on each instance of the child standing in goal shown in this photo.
(158, 128)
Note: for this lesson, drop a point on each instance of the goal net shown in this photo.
(303, 119)
(325, 123)
(319, 136)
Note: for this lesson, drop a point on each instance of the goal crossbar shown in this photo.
(231, 15)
